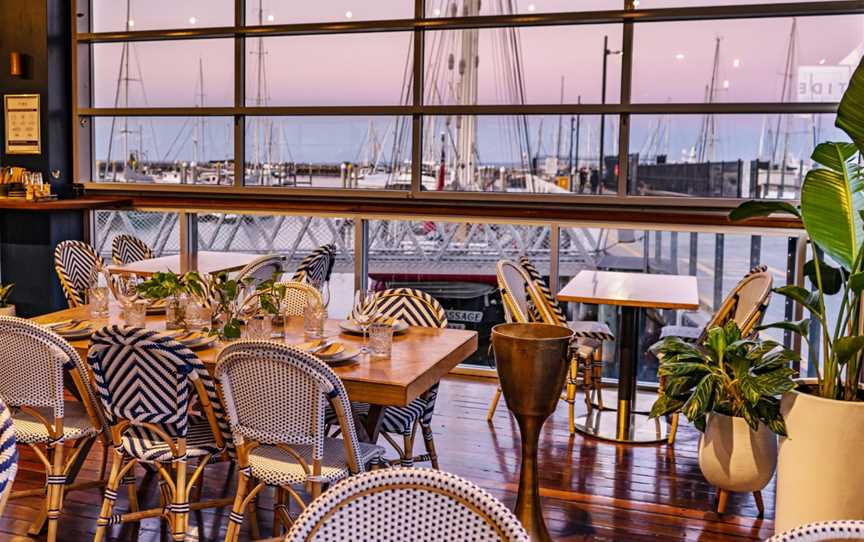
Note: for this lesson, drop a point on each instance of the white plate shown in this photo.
(343, 357)
(351, 327)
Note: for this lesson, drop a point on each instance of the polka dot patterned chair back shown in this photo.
(8, 456)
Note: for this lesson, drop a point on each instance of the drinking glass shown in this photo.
(380, 340)
(98, 299)
(259, 327)
(323, 288)
(198, 315)
(314, 316)
(175, 311)
(134, 313)
(363, 313)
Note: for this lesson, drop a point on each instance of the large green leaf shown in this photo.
(757, 208)
(847, 347)
(831, 202)
(665, 405)
(832, 278)
(804, 297)
(850, 115)
(801, 327)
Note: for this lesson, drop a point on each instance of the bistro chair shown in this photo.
(8, 456)
(823, 531)
(523, 302)
(126, 248)
(33, 362)
(415, 308)
(276, 396)
(261, 269)
(297, 296)
(406, 505)
(745, 304)
(146, 382)
(317, 266)
(75, 263)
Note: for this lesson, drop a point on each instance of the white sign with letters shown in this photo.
(822, 83)
(22, 124)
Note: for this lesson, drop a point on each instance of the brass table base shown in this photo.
(641, 430)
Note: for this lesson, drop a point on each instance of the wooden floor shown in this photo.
(592, 490)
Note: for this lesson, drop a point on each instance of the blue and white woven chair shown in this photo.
(406, 505)
(261, 269)
(127, 248)
(33, 362)
(415, 308)
(317, 266)
(145, 382)
(8, 456)
(823, 531)
(276, 396)
(75, 263)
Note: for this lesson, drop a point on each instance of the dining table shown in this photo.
(631, 292)
(205, 262)
(419, 358)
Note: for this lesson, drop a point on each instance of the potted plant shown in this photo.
(236, 300)
(728, 387)
(819, 473)
(6, 308)
(173, 288)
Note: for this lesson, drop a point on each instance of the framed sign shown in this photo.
(21, 113)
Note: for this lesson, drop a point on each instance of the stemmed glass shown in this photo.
(363, 314)
(323, 288)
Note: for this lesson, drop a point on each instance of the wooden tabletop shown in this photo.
(208, 262)
(633, 290)
(420, 357)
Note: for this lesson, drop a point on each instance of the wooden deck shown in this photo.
(592, 490)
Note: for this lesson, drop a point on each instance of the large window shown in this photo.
(555, 99)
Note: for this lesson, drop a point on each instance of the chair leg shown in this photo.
(110, 495)
(722, 499)
(407, 457)
(242, 499)
(597, 369)
(494, 405)
(54, 494)
(760, 505)
(252, 508)
(278, 503)
(429, 441)
(570, 398)
(673, 428)
(180, 505)
(129, 482)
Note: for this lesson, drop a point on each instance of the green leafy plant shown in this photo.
(163, 285)
(5, 293)
(726, 374)
(832, 211)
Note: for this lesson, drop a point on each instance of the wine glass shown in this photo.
(323, 288)
(363, 313)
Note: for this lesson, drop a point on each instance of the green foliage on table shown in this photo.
(726, 374)
(832, 211)
(5, 293)
(163, 285)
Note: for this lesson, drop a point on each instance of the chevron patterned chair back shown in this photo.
(75, 262)
(551, 301)
(406, 505)
(519, 295)
(412, 306)
(8, 456)
(126, 248)
(261, 269)
(317, 266)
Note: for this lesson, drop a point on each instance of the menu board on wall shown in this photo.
(21, 114)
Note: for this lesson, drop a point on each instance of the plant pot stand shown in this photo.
(722, 500)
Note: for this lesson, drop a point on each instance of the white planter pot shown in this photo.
(819, 472)
(734, 457)
(7, 311)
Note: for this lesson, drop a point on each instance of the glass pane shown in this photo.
(187, 73)
(651, 4)
(265, 12)
(329, 152)
(339, 69)
(160, 231)
(748, 60)
(171, 150)
(514, 66)
(537, 154)
(468, 8)
(114, 15)
(751, 156)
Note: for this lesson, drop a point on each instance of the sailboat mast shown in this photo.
(560, 120)
(708, 133)
(785, 96)
(467, 125)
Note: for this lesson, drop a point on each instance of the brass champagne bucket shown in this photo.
(532, 362)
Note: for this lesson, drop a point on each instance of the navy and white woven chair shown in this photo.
(8, 456)
(823, 531)
(75, 263)
(261, 269)
(317, 267)
(415, 308)
(145, 382)
(33, 362)
(406, 505)
(276, 396)
(746, 305)
(127, 248)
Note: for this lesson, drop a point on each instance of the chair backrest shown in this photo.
(126, 248)
(296, 297)
(75, 263)
(519, 293)
(406, 504)
(823, 530)
(146, 377)
(317, 266)
(414, 307)
(8, 456)
(746, 303)
(261, 269)
(276, 394)
(552, 305)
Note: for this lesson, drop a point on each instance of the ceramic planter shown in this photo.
(735, 458)
(819, 472)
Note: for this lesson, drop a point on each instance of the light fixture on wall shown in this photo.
(16, 64)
